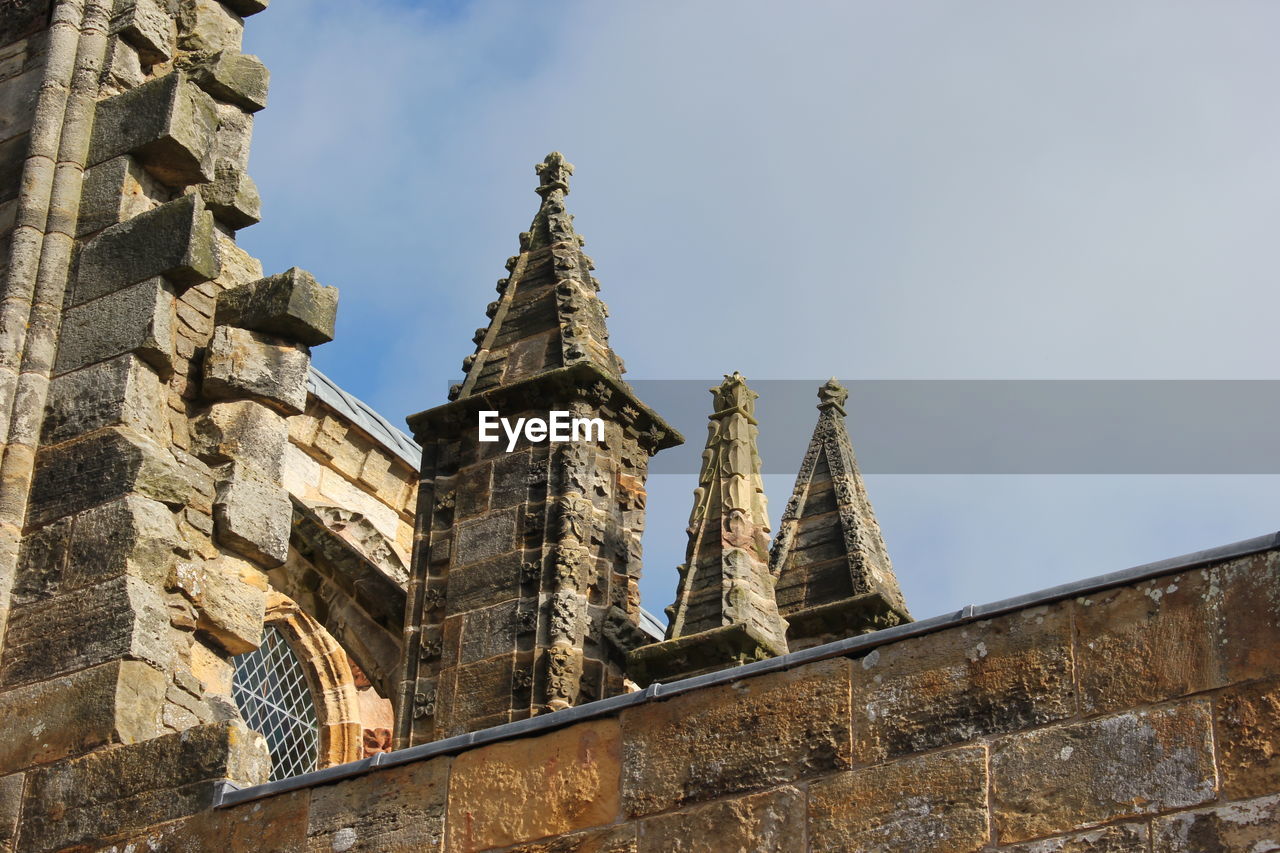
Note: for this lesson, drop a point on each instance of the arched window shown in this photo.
(270, 687)
(297, 689)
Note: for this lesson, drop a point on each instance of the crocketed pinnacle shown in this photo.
(829, 545)
(725, 579)
(548, 314)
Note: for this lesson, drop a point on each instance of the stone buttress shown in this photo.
(833, 574)
(724, 613)
(523, 594)
(147, 369)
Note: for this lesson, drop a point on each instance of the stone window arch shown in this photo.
(330, 683)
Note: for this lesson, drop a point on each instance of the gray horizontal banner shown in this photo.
(1002, 426)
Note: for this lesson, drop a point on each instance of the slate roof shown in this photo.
(363, 416)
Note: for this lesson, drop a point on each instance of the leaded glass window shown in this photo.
(270, 687)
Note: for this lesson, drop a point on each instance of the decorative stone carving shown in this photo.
(357, 530)
(430, 649)
(433, 599)
(564, 673)
(576, 515)
(424, 704)
(567, 616)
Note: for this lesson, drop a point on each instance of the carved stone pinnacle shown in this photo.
(832, 396)
(553, 173)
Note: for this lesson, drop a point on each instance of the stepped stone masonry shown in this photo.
(239, 610)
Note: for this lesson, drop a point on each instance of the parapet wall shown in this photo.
(1138, 712)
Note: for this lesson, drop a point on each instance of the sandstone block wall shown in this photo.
(331, 461)
(1137, 718)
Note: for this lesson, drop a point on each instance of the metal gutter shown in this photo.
(228, 795)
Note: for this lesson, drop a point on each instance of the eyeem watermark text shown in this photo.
(558, 426)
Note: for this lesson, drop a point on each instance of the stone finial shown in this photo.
(553, 174)
(832, 395)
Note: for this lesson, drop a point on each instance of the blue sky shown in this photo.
(922, 190)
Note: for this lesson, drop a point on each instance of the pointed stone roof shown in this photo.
(725, 579)
(829, 547)
(547, 314)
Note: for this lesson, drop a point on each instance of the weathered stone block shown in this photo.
(485, 539)
(168, 124)
(118, 792)
(230, 600)
(13, 154)
(235, 136)
(115, 702)
(24, 20)
(944, 688)
(277, 823)
(1120, 838)
(474, 692)
(133, 535)
(114, 192)
(232, 196)
(175, 240)
(242, 431)
(241, 364)
(291, 305)
(102, 467)
(768, 822)
(472, 490)
(693, 747)
(397, 809)
(1150, 642)
(18, 101)
(489, 631)
(510, 479)
(1248, 739)
(1065, 778)
(122, 69)
(147, 26)
(1252, 826)
(245, 8)
(935, 802)
(138, 319)
(486, 584)
(254, 519)
(207, 26)
(523, 790)
(120, 618)
(124, 391)
(237, 78)
(10, 809)
(1251, 602)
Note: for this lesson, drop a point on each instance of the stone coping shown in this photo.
(229, 795)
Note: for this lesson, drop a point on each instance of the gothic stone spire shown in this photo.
(523, 594)
(834, 577)
(724, 611)
(547, 314)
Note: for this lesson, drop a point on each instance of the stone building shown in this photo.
(240, 610)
